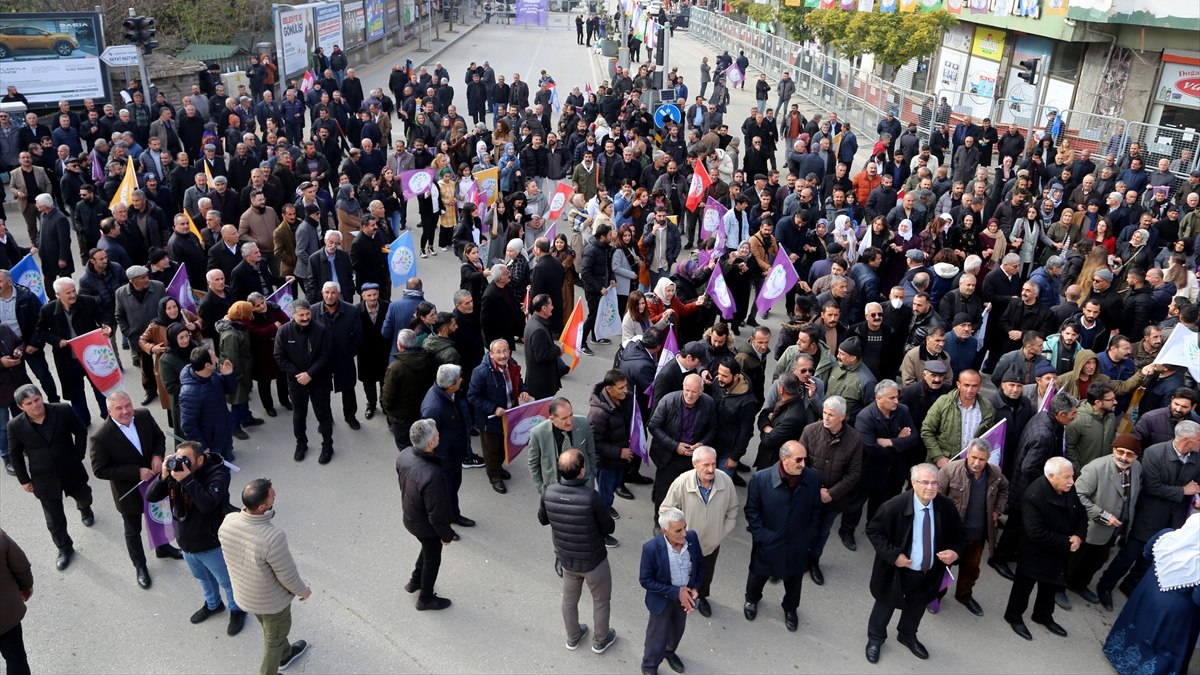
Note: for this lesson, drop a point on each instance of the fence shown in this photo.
(859, 97)
(863, 98)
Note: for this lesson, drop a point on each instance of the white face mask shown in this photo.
(896, 302)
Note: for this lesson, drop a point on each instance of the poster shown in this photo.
(988, 43)
(328, 17)
(293, 35)
(354, 25)
(374, 20)
(532, 12)
(1179, 85)
(54, 55)
(951, 70)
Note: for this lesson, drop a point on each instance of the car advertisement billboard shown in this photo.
(52, 56)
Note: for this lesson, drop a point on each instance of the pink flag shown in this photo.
(719, 293)
(638, 443)
(417, 182)
(181, 289)
(779, 281)
(519, 422)
(160, 527)
(559, 201)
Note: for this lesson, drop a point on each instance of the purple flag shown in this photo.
(734, 75)
(703, 256)
(1045, 404)
(551, 233)
(519, 423)
(181, 289)
(637, 435)
(283, 297)
(97, 170)
(995, 436)
(160, 527)
(719, 293)
(714, 214)
(416, 182)
(670, 349)
(779, 281)
(936, 605)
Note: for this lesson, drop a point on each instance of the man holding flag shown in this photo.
(127, 451)
(66, 318)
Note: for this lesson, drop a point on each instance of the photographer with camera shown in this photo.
(197, 483)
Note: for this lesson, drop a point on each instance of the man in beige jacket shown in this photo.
(263, 573)
(710, 506)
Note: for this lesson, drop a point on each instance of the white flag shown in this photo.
(1182, 348)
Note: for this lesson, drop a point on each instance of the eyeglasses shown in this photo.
(805, 371)
(926, 483)
(875, 315)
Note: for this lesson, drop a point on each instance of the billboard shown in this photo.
(328, 17)
(53, 56)
(374, 20)
(354, 25)
(294, 36)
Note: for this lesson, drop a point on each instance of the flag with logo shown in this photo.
(669, 351)
(995, 436)
(559, 201)
(416, 182)
(734, 75)
(713, 222)
(718, 292)
(489, 183)
(1181, 349)
(181, 289)
(283, 297)
(160, 527)
(402, 259)
(700, 183)
(518, 422)
(779, 281)
(639, 444)
(572, 336)
(99, 361)
(309, 79)
(28, 274)
(608, 317)
(124, 193)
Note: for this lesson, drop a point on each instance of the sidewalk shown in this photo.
(375, 73)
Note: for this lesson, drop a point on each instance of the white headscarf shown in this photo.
(660, 290)
(904, 229)
(843, 232)
(1177, 556)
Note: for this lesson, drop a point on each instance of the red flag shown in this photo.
(99, 361)
(572, 335)
(700, 183)
(559, 201)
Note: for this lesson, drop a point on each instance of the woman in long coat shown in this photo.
(154, 339)
(263, 325)
(234, 344)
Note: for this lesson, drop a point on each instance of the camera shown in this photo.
(176, 463)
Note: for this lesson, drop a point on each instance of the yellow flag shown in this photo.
(489, 183)
(207, 173)
(192, 227)
(128, 185)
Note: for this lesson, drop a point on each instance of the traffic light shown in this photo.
(140, 30)
(133, 29)
(1029, 68)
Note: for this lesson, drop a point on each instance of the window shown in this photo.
(1068, 57)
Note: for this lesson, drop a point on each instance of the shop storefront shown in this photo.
(1177, 96)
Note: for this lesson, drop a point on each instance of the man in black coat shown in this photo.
(783, 511)
(1055, 525)
(344, 326)
(253, 275)
(331, 263)
(427, 513)
(129, 448)
(782, 422)
(499, 312)
(1001, 287)
(46, 446)
(54, 242)
(368, 261)
(542, 373)
(682, 421)
(184, 248)
(888, 436)
(373, 353)
(910, 561)
(546, 277)
(1025, 314)
(303, 350)
(53, 329)
(225, 254)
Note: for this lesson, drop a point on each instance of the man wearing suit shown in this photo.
(671, 572)
(54, 243)
(51, 438)
(682, 421)
(69, 316)
(127, 448)
(549, 439)
(915, 537)
(224, 254)
(783, 510)
(253, 274)
(330, 263)
(1170, 480)
(29, 181)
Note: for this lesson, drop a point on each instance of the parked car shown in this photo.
(28, 39)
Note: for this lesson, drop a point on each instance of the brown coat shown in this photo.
(16, 578)
(763, 255)
(954, 481)
(285, 249)
(156, 334)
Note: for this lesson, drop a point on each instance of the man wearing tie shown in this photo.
(127, 449)
(916, 536)
(672, 570)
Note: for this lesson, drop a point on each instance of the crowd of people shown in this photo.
(921, 271)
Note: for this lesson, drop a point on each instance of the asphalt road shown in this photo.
(343, 526)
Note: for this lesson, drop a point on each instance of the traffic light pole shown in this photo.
(1039, 97)
(143, 72)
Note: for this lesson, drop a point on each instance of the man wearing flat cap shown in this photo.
(137, 305)
(851, 379)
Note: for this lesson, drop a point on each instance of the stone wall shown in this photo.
(174, 77)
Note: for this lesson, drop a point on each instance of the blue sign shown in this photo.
(667, 111)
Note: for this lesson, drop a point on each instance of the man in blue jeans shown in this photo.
(197, 484)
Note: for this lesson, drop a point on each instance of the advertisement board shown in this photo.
(52, 56)
(1179, 85)
(354, 25)
(374, 20)
(328, 17)
(294, 37)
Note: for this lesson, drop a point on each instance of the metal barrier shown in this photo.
(1178, 146)
(858, 96)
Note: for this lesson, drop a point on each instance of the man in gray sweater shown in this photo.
(263, 573)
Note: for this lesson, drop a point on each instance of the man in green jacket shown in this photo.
(942, 430)
(851, 379)
(549, 439)
(1090, 434)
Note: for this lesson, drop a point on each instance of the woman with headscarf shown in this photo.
(154, 339)
(170, 364)
(1156, 631)
(266, 320)
(518, 268)
(663, 303)
(1135, 252)
(843, 233)
(994, 245)
(510, 166)
(349, 215)
(233, 341)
